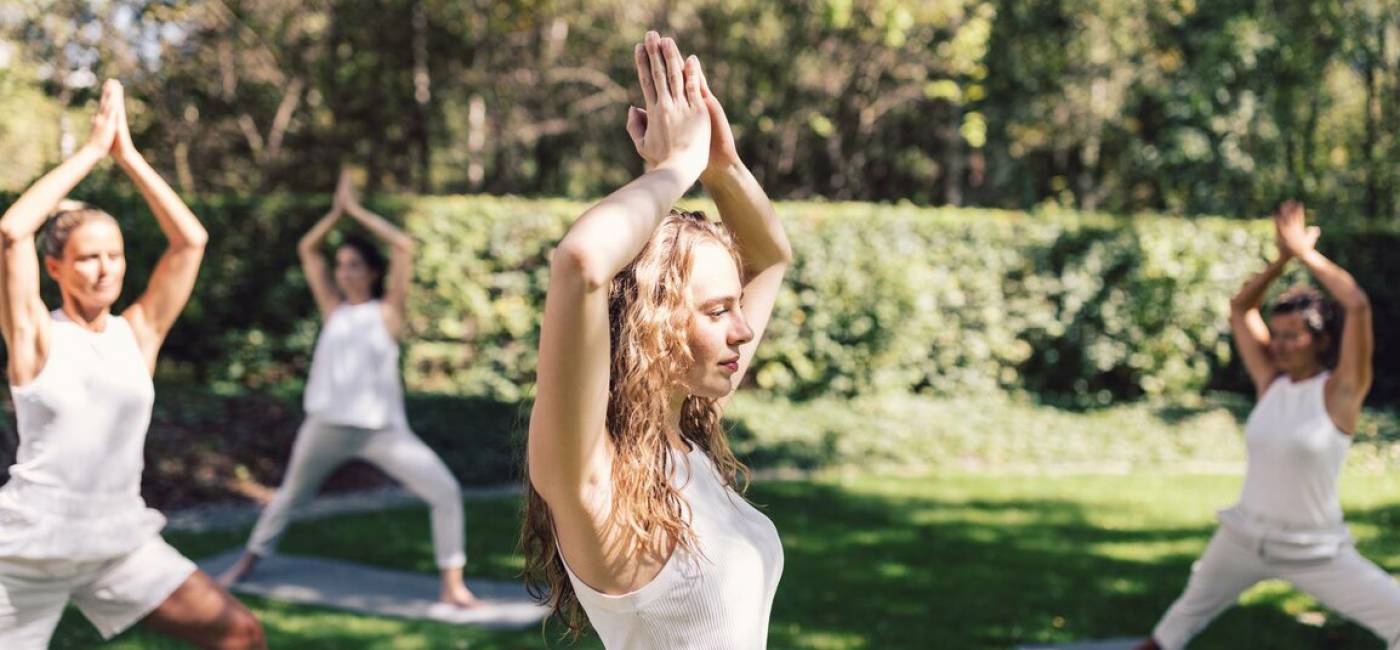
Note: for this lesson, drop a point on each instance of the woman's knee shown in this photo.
(241, 630)
(445, 493)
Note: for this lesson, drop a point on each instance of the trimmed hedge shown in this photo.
(1074, 307)
(1078, 308)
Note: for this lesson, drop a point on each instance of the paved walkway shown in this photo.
(233, 516)
(380, 592)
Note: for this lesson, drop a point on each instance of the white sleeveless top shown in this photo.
(716, 599)
(355, 370)
(1295, 454)
(75, 488)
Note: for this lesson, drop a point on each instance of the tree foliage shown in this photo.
(1182, 106)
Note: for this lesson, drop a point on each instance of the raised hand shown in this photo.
(122, 148)
(1292, 234)
(344, 191)
(105, 122)
(674, 128)
(723, 152)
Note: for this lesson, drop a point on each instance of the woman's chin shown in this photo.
(710, 390)
(720, 390)
(100, 301)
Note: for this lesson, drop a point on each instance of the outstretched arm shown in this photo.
(24, 320)
(400, 276)
(567, 447)
(172, 281)
(1351, 379)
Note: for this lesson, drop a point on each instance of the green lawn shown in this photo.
(887, 561)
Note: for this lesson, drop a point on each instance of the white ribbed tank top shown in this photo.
(717, 598)
(1294, 456)
(355, 370)
(75, 488)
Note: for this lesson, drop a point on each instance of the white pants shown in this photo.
(1348, 583)
(320, 448)
(113, 594)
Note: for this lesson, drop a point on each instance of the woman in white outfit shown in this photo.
(651, 318)
(73, 526)
(1311, 373)
(354, 398)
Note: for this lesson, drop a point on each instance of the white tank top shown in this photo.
(1295, 453)
(355, 370)
(718, 598)
(75, 488)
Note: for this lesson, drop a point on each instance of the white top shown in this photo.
(1295, 454)
(75, 488)
(718, 598)
(355, 370)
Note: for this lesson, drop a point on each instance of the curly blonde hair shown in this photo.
(649, 318)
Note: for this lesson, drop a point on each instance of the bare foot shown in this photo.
(459, 596)
(240, 570)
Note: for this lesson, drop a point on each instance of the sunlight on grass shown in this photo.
(889, 562)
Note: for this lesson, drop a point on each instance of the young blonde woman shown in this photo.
(651, 319)
(73, 526)
(354, 396)
(1311, 368)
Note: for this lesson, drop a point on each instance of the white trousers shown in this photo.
(320, 448)
(1348, 584)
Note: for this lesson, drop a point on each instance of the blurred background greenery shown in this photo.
(1033, 209)
(1179, 106)
(1017, 225)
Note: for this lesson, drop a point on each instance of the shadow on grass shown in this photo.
(892, 567)
(871, 572)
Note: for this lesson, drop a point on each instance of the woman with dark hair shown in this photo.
(634, 513)
(1311, 368)
(354, 398)
(73, 526)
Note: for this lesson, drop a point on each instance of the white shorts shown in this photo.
(113, 594)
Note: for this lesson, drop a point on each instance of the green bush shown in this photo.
(1077, 308)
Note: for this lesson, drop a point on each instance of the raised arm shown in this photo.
(313, 263)
(567, 447)
(154, 313)
(400, 276)
(1351, 379)
(745, 209)
(1247, 325)
(24, 320)
(1250, 332)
